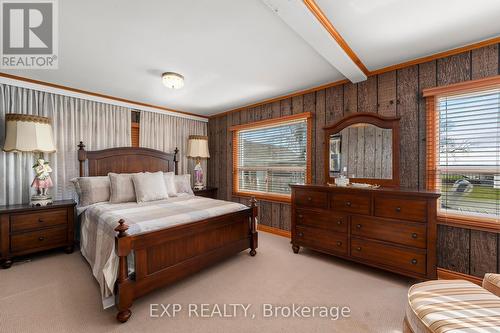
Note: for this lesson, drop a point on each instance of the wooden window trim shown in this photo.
(431, 95)
(286, 198)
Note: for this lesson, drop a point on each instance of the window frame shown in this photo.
(286, 198)
(432, 125)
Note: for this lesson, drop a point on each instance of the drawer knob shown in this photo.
(339, 243)
(40, 220)
(348, 204)
(301, 234)
(358, 226)
(339, 222)
(414, 235)
(309, 199)
(41, 238)
(358, 248)
(398, 209)
(300, 216)
(414, 261)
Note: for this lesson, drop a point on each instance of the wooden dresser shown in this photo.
(26, 230)
(392, 229)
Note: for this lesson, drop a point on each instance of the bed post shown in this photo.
(82, 156)
(176, 161)
(253, 230)
(124, 290)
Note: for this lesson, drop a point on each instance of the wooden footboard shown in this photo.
(165, 256)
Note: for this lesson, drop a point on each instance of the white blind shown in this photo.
(272, 157)
(468, 156)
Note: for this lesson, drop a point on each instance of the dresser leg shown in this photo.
(6, 263)
(295, 248)
(69, 249)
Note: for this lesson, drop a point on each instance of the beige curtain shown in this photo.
(98, 125)
(165, 132)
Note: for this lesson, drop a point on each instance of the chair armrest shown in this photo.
(491, 282)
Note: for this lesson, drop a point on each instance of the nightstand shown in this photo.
(27, 230)
(208, 192)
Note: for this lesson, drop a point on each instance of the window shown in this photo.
(270, 155)
(464, 154)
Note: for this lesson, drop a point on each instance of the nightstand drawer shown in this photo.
(32, 221)
(46, 238)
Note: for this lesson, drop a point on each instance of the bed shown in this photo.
(161, 256)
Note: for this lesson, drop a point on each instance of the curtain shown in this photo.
(165, 132)
(98, 125)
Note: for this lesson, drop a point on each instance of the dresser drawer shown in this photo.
(358, 204)
(311, 198)
(325, 219)
(406, 209)
(321, 239)
(399, 258)
(45, 238)
(42, 219)
(405, 233)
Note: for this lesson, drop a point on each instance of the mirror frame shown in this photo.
(373, 119)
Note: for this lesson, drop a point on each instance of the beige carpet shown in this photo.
(56, 293)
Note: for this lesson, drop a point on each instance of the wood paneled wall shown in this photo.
(392, 93)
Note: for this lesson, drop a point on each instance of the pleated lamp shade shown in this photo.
(28, 133)
(198, 146)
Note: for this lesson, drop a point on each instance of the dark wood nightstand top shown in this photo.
(27, 207)
(209, 192)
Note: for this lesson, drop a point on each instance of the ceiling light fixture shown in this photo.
(172, 80)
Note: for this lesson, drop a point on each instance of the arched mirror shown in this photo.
(365, 146)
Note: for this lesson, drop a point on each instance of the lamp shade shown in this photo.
(198, 146)
(28, 133)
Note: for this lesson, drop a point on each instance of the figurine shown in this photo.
(42, 181)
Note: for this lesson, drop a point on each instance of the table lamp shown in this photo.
(198, 148)
(30, 133)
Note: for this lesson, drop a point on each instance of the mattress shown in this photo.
(97, 239)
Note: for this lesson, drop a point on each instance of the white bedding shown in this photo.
(99, 220)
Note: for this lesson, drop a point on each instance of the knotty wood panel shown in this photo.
(407, 110)
(453, 69)
(483, 252)
(459, 249)
(426, 79)
(319, 175)
(453, 246)
(350, 98)
(367, 95)
(387, 94)
(297, 104)
(286, 107)
(334, 104)
(485, 62)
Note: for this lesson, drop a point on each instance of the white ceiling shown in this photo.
(388, 32)
(237, 52)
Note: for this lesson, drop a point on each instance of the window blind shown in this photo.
(269, 158)
(467, 169)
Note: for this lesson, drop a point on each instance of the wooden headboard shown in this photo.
(126, 160)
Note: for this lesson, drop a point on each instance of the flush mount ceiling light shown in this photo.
(172, 80)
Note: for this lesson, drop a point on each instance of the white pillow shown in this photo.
(170, 183)
(183, 184)
(149, 186)
(91, 190)
(122, 187)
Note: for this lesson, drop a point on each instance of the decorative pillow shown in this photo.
(92, 190)
(491, 282)
(149, 186)
(183, 184)
(122, 187)
(170, 183)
